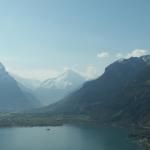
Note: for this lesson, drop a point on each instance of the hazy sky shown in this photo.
(38, 38)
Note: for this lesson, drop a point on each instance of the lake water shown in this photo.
(67, 137)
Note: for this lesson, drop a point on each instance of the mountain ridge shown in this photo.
(52, 90)
(12, 97)
(111, 97)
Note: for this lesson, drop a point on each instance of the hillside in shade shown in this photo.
(12, 96)
(121, 94)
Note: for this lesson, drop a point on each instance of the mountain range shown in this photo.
(55, 89)
(121, 94)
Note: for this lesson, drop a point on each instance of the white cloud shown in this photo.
(103, 55)
(91, 72)
(134, 53)
(137, 53)
(119, 55)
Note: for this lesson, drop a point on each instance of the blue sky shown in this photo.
(38, 38)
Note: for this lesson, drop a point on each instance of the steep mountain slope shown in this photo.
(57, 88)
(134, 102)
(12, 97)
(121, 94)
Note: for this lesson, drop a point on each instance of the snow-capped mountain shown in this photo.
(120, 95)
(69, 79)
(52, 90)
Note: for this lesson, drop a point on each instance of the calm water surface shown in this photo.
(67, 137)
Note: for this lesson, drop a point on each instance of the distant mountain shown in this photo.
(28, 83)
(52, 90)
(121, 94)
(12, 97)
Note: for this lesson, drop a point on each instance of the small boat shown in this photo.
(48, 129)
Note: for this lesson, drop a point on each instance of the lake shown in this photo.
(67, 137)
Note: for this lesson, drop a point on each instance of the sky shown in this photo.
(41, 38)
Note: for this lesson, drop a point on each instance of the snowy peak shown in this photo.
(68, 79)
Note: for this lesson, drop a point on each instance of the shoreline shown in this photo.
(137, 133)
